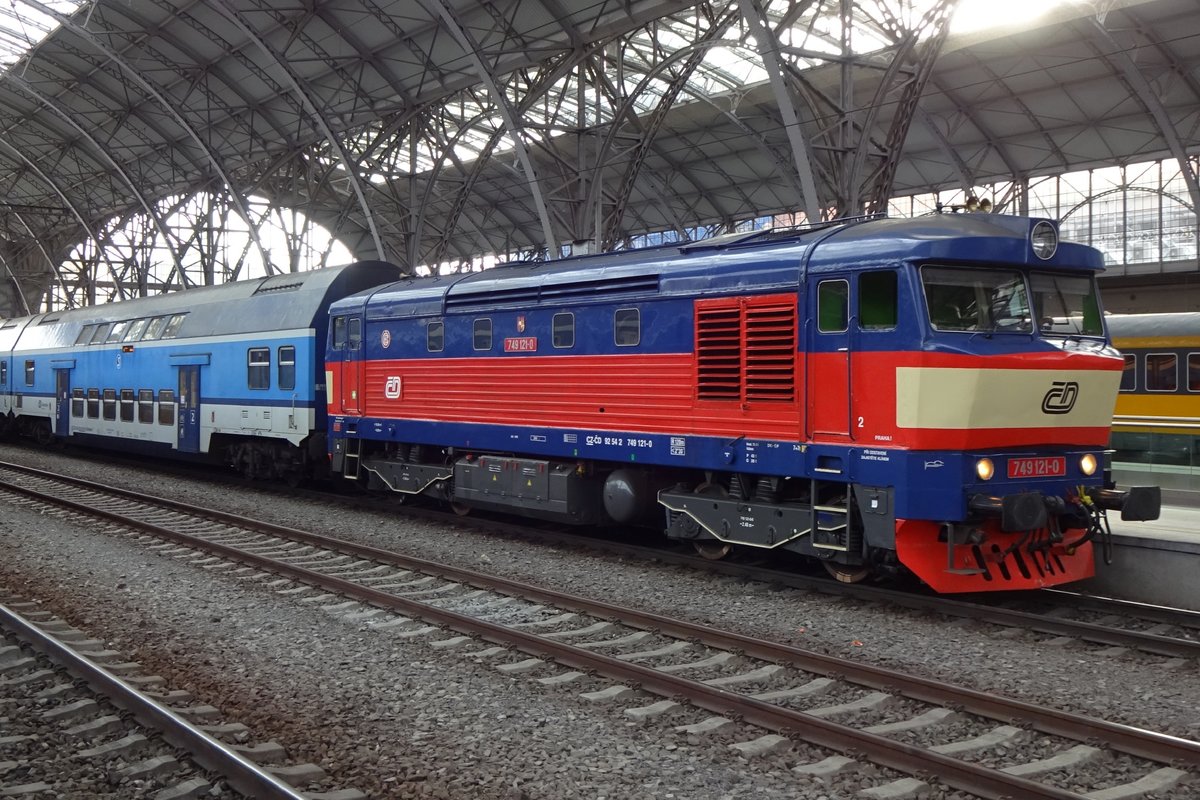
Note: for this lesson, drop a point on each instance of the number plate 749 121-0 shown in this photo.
(1045, 467)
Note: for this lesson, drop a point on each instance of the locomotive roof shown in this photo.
(287, 301)
(765, 260)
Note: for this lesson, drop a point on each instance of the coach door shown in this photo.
(353, 367)
(189, 409)
(829, 412)
(62, 393)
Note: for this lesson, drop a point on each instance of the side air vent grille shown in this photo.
(771, 352)
(746, 349)
(718, 353)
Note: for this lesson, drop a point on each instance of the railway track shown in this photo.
(843, 714)
(1117, 625)
(82, 723)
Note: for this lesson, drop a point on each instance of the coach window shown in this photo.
(29, 368)
(1193, 368)
(627, 327)
(155, 329)
(258, 368)
(877, 301)
(146, 406)
(482, 335)
(101, 333)
(136, 330)
(354, 333)
(127, 405)
(77, 403)
(339, 333)
(173, 326)
(3, 373)
(1161, 372)
(118, 331)
(110, 404)
(166, 406)
(287, 367)
(85, 335)
(563, 329)
(1129, 374)
(93, 404)
(435, 337)
(833, 306)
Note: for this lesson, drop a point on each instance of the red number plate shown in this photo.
(1051, 467)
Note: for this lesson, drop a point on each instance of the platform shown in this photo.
(1153, 562)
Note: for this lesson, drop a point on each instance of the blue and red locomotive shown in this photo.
(931, 395)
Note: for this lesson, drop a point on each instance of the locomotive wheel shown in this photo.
(712, 549)
(460, 509)
(844, 573)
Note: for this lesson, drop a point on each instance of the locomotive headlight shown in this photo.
(1087, 464)
(985, 469)
(1044, 239)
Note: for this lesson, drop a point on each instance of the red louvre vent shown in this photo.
(770, 355)
(746, 349)
(718, 352)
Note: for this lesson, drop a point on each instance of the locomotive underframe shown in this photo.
(828, 520)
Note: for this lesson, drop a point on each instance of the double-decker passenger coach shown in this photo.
(928, 395)
(232, 373)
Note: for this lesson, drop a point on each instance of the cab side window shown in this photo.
(354, 333)
(339, 333)
(833, 306)
(877, 303)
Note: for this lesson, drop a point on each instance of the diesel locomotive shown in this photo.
(929, 395)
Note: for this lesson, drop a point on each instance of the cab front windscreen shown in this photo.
(1006, 301)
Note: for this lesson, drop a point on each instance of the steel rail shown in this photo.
(1146, 744)
(880, 750)
(1125, 738)
(244, 775)
(1135, 741)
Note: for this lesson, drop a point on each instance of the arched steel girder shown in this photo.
(12, 276)
(66, 201)
(1147, 97)
(626, 110)
(184, 46)
(301, 91)
(658, 116)
(54, 270)
(102, 151)
(465, 192)
(993, 141)
(447, 147)
(966, 178)
(768, 51)
(112, 55)
(1122, 189)
(935, 21)
(438, 8)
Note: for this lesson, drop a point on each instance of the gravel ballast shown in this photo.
(397, 718)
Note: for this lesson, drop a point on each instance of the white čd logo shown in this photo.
(391, 389)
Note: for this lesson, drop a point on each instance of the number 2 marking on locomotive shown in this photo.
(860, 422)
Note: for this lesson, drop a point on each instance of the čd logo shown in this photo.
(1061, 397)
